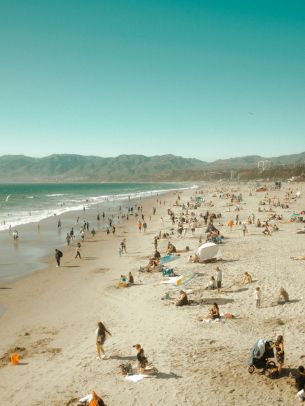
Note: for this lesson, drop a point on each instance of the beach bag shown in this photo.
(60, 254)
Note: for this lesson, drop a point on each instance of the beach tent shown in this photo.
(208, 251)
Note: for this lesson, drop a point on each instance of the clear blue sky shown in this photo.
(206, 79)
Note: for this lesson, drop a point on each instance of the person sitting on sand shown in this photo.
(213, 314)
(258, 223)
(275, 227)
(130, 278)
(92, 400)
(212, 283)
(171, 249)
(142, 360)
(247, 278)
(123, 282)
(283, 297)
(157, 255)
(266, 231)
(100, 333)
(299, 381)
(182, 299)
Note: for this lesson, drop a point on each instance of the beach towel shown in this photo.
(168, 258)
(175, 280)
(136, 378)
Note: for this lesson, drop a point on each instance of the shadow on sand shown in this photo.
(171, 375)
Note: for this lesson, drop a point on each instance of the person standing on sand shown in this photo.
(280, 352)
(244, 228)
(218, 278)
(258, 297)
(58, 256)
(100, 333)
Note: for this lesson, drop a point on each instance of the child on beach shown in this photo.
(258, 296)
(100, 333)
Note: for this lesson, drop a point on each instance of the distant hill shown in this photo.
(125, 168)
(74, 168)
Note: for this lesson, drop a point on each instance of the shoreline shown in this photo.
(53, 315)
(38, 234)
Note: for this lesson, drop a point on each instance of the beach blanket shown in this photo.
(168, 258)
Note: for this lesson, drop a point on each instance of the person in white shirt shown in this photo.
(218, 278)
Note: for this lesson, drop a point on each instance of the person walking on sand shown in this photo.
(68, 239)
(218, 278)
(258, 297)
(100, 333)
(58, 256)
(78, 255)
(244, 228)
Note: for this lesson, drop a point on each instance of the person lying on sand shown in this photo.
(283, 297)
(299, 258)
(247, 278)
(182, 299)
(213, 314)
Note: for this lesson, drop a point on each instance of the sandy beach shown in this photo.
(51, 315)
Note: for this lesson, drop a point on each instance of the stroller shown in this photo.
(260, 355)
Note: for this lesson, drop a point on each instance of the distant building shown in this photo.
(263, 165)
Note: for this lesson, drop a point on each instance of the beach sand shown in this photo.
(52, 314)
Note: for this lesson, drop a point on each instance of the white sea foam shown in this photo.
(34, 216)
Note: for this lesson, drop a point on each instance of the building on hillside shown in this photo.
(263, 165)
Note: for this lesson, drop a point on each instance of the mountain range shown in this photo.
(124, 168)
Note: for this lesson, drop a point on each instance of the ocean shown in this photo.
(34, 209)
(28, 203)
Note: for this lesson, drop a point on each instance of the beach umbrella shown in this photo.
(207, 251)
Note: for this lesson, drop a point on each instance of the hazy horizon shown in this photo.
(201, 80)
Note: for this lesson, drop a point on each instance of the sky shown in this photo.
(204, 79)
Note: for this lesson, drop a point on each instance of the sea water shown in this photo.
(27, 203)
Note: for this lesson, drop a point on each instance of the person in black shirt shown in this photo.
(300, 378)
(143, 362)
(58, 255)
